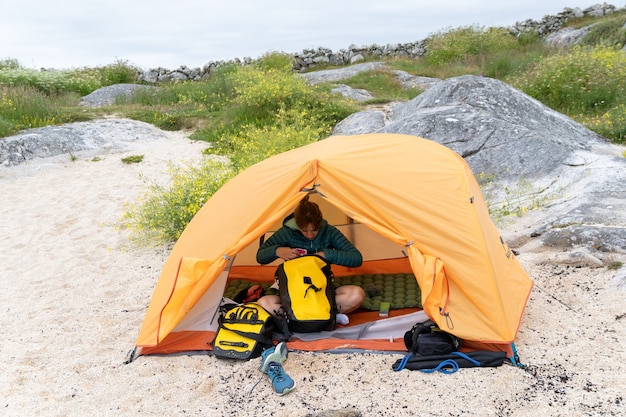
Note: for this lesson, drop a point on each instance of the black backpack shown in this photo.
(426, 339)
(307, 294)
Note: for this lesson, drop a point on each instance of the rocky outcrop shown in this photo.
(565, 179)
(84, 138)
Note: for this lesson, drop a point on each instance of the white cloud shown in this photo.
(77, 33)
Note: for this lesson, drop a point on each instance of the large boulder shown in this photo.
(74, 139)
(106, 96)
(565, 181)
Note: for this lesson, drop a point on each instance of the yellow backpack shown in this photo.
(244, 332)
(307, 294)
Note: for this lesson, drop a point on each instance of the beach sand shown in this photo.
(74, 294)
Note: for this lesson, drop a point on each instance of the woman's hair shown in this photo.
(307, 213)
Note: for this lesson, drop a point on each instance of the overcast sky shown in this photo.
(68, 34)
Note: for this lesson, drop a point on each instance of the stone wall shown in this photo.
(309, 58)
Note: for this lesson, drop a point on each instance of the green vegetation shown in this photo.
(249, 113)
(587, 83)
(516, 200)
(383, 84)
(164, 211)
(31, 98)
(132, 159)
(609, 32)
(490, 52)
(25, 107)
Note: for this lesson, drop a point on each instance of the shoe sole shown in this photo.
(279, 355)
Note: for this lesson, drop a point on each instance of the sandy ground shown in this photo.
(74, 295)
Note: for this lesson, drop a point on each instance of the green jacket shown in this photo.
(336, 247)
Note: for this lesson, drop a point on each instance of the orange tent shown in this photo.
(407, 203)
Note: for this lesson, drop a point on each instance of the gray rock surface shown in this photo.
(356, 94)
(412, 81)
(567, 37)
(499, 130)
(106, 96)
(83, 138)
(531, 156)
(335, 75)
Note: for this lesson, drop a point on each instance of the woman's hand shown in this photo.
(286, 253)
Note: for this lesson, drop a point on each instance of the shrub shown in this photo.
(259, 95)
(9, 64)
(580, 80)
(52, 82)
(610, 32)
(132, 159)
(120, 72)
(181, 105)
(454, 45)
(277, 61)
(293, 128)
(493, 53)
(611, 124)
(164, 211)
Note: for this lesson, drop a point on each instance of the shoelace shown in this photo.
(276, 371)
(254, 386)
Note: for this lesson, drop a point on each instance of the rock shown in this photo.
(106, 96)
(499, 130)
(578, 258)
(83, 138)
(356, 94)
(413, 81)
(565, 180)
(362, 122)
(339, 74)
(567, 37)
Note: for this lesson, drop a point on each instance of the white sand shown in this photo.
(74, 296)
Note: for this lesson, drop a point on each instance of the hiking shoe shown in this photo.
(281, 382)
(277, 354)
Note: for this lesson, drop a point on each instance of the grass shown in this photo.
(615, 265)
(383, 85)
(132, 159)
(251, 113)
(516, 200)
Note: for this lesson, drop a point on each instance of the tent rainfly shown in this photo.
(410, 205)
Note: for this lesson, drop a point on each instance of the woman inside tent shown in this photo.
(306, 230)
